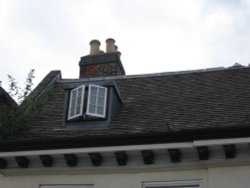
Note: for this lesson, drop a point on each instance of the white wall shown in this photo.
(229, 177)
(220, 177)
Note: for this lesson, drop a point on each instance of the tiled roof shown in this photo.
(6, 102)
(5, 97)
(160, 103)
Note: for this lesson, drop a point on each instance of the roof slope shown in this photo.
(159, 104)
(6, 103)
(194, 100)
(5, 97)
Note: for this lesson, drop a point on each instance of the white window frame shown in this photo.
(67, 186)
(104, 105)
(173, 184)
(81, 103)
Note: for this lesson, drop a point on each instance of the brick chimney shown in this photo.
(99, 63)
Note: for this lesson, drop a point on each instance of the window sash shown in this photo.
(66, 186)
(174, 184)
(76, 102)
(97, 101)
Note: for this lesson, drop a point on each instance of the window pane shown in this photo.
(92, 108)
(71, 111)
(100, 110)
(79, 92)
(100, 101)
(92, 99)
(78, 109)
(73, 94)
(73, 103)
(101, 92)
(176, 186)
(66, 186)
(73, 99)
(93, 90)
(79, 100)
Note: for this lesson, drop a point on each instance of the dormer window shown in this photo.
(96, 102)
(90, 105)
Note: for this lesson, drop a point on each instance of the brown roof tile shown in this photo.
(163, 103)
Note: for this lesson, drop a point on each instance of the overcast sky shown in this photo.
(152, 35)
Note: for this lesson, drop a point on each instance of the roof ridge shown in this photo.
(155, 74)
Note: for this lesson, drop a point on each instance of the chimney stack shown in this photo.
(110, 45)
(94, 47)
(100, 64)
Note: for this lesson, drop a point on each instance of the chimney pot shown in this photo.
(110, 45)
(94, 47)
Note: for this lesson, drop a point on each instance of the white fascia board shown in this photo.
(178, 183)
(98, 149)
(67, 186)
(180, 145)
(221, 141)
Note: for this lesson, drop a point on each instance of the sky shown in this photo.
(152, 35)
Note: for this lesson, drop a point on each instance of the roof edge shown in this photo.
(7, 97)
(121, 140)
(195, 71)
(51, 78)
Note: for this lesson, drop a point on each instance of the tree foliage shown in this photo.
(18, 117)
(17, 92)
